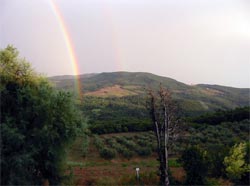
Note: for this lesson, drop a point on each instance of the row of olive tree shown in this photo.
(37, 123)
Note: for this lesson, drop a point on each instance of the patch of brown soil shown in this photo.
(115, 90)
(178, 173)
(115, 172)
(211, 92)
(91, 175)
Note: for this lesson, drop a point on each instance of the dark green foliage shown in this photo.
(111, 115)
(216, 140)
(104, 151)
(111, 142)
(215, 157)
(144, 151)
(107, 153)
(226, 134)
(126, 153)
(127, 146)
(121, 139)
(98, 142)
(37, 123)
(220, 116)
(195, 165)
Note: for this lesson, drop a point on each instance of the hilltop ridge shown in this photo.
(123, 84)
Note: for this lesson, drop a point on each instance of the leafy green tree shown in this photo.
(245, 178)
(37, 123)
(215, 156)
(236, 163)
(195, 165)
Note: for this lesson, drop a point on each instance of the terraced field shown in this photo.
(111, 160)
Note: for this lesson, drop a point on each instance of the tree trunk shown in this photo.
(166, 181)
(162, 110)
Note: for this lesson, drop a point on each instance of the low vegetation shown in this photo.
(125, 146)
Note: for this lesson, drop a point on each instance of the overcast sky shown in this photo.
(192, 41)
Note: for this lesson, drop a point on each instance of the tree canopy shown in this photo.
(237, 163)
(37, 122)
(195, 165)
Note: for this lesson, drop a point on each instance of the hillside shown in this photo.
(121, 84)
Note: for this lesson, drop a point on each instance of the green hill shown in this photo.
(116, 102)
(122, 84)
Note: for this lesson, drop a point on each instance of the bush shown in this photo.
(119, 148)
(98, 142)
(107, 153)
(216, 154)
(131, 145)
(144, 151)
(195, 166)
(121, 139)
(111, 142)
(140, 142)
(127, 153)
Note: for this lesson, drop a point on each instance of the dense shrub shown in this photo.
(111, 142)
(107, 153)
(144, 151)
(130, 145)
(98, 142)
(121, 139)
(215, 155)
(227, 133)
(195, 165)
(126, 153)
(220, 116)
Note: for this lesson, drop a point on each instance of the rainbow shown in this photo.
(117, 56)
(69, 45)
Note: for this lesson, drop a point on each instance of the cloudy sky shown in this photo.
(192, 41)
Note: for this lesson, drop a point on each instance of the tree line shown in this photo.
(214, 118)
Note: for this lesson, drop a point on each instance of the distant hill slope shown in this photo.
(122, 84)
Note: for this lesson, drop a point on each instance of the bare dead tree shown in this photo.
(163, 111)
